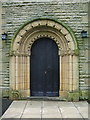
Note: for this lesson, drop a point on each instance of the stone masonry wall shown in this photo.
(74, 14)
(89, 49)
(0, 51)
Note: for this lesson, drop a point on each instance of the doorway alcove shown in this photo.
(20, 65)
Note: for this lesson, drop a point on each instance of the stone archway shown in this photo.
(67, 51)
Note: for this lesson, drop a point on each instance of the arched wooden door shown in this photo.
(44, 69)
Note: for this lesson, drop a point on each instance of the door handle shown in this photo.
(45, 72)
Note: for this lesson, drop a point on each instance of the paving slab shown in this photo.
(46, 110)
(81, 104)
(50, 111)
(52, 116)
(31, 116)
(65, 104)
(15, 110)
(82, 107)
(70, 112)
(83, 111)
(32, 110)
(35, 103)
(50, 103)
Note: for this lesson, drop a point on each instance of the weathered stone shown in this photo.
(74, 14)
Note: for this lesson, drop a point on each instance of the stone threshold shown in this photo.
(37, 98)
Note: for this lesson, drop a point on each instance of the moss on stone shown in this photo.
(73, 96)
(84, 95)
(76, 51)
(5, 93)
(14, 94)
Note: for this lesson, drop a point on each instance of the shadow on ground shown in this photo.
(4, 104)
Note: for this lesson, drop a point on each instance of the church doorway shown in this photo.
(44, 68)
(44, 60)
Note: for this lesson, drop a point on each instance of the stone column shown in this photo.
(17, 81)
(65, 79)
(20, 73)
(12, 73)
(70, 72)
(21, 82)
(66, 66)
(23, 75)
(73, 93)
(63, 76)
(28, 76)
(75, 74)
(61, 68)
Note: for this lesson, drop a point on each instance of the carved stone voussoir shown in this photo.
(66, 52)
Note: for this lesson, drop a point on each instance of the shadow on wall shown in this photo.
(5, 103)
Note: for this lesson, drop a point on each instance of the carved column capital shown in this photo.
(19, 53)
(73, 52)
(70, 52)
(63, 53)
(67, 52)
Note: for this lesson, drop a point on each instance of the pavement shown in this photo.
(46, 109)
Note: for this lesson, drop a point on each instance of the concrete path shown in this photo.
(47, 109)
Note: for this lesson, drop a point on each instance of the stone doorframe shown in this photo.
(21, 51)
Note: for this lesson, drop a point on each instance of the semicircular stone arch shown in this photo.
(21, 51)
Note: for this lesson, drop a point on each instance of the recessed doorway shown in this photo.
(44, 68)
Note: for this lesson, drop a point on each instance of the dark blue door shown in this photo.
(44, 68)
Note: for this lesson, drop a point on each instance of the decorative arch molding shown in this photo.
(21, 51)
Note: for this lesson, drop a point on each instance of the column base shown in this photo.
(25, 93)
(70, 96)
(19, 94)
(63, 94)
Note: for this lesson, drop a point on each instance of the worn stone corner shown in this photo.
(73, 96)
(14, 94)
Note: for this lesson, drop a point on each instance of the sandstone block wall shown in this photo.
(73, 14)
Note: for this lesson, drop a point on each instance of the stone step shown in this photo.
(37, 98)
